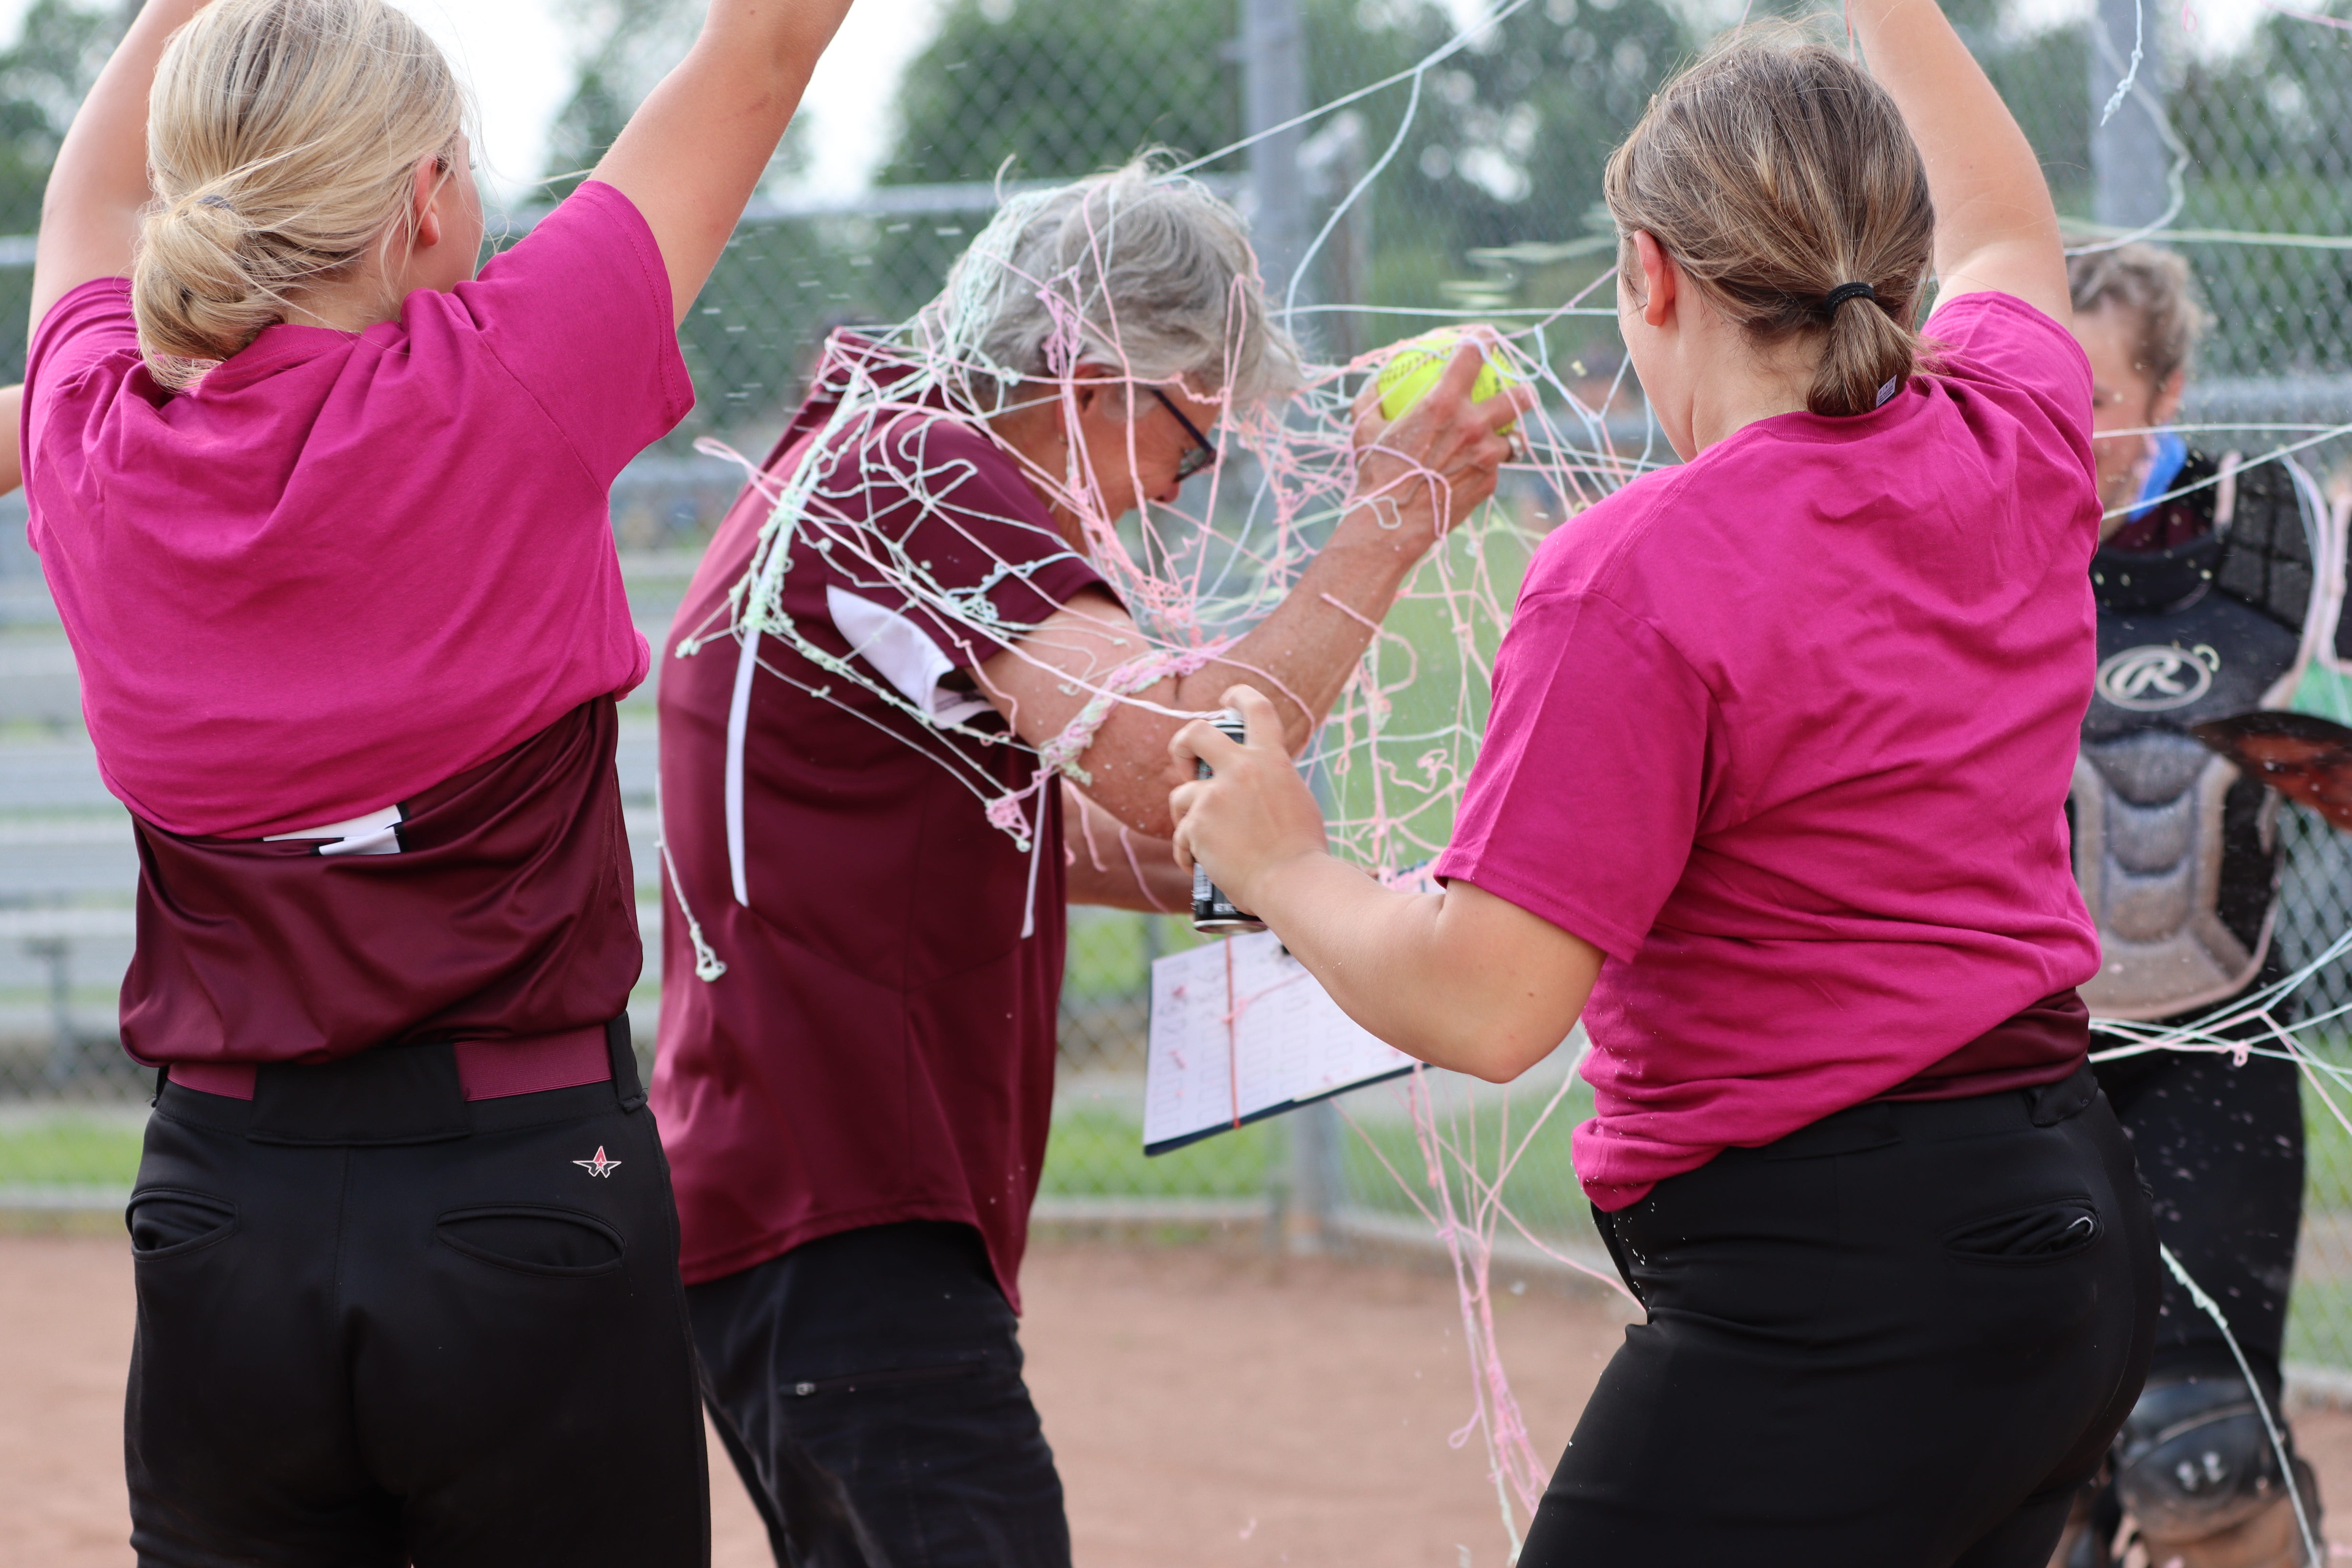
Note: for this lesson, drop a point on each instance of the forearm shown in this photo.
(1301, 656)
(90, 211)
(1462, 979)
(694, 151)
(12, 456)
(103, 158)
(1985, 179)
(1415, 480)
(1397, 964)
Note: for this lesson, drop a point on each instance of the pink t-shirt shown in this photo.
(345, 568)
(1787, 732)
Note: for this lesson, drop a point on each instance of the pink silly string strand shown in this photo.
(1511, 1459)
(1142, 883)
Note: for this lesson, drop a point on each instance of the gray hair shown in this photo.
(1137, 270)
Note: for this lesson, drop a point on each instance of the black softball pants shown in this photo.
(2222, 1147)
(1898, 1338)
(379, 1324)
(868, 1386)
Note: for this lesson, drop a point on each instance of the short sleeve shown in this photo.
(1586, 796)
(579, 313)
(1996, 337)
(91, 326)
(82, 351)
(944, 532)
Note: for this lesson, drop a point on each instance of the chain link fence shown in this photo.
(1479, 179)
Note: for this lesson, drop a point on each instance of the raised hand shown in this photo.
(1424, 473)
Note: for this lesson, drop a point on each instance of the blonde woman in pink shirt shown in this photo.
(324, 510)
(1773, 799)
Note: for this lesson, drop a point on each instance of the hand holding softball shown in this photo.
(1433, 432)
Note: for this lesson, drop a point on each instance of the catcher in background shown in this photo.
(2217, 585)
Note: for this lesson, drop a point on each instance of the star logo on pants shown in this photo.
(599, 1166)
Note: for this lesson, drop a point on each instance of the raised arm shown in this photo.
(694, 151)
(1414, 480)
(1995, 226)
(1461, 979)
(12, 455)
(89, 213)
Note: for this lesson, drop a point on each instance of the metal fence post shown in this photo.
(1273, 91)
(2129, 158)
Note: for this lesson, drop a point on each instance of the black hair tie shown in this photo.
(1844, 291)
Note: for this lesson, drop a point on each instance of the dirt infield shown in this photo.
(1208, 1408)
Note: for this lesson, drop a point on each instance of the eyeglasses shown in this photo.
(1200, 455)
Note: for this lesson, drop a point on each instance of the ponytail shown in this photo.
(1784, 184)
(282, 139)
(1867, 357)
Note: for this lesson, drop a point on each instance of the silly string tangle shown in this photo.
(1392, 761)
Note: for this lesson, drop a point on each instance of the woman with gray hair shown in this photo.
(897, 662)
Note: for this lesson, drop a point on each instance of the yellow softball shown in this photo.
(1416, 366)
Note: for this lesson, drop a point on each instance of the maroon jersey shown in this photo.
(496, 905)
(880, 1046)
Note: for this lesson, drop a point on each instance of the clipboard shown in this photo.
(1241, 1031)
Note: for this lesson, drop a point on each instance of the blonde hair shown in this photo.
(2152, 282)
(1773, 172)
(282, 136)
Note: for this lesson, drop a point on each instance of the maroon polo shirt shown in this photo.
(881, 1046)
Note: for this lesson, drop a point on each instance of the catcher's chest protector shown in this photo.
(2177, 851)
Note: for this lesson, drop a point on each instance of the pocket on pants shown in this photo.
(2049, 1230)
(557, 1243)
(167, 1222)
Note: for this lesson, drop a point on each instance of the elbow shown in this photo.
(1501, 1056)
(1501, 1068)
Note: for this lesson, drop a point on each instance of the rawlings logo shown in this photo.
(2151, 679)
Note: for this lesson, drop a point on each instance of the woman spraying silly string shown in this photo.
(1772, 796)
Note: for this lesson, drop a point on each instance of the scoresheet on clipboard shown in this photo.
(1240, 1031)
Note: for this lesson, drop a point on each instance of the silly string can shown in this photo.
(1212, 910)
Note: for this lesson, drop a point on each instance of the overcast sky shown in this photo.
(520, 61)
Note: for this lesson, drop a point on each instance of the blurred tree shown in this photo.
(1060, 88)
(43, 77)
(2265, 129)
(1507, 142)
(626, 47)
(623, 47)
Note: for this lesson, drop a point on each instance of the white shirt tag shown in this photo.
(377, 833)
(902, 653)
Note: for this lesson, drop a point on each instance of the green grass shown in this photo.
(1541, 1189)
(1096, 1151)
(2327, 1147)
(69, 1152)
(1110, 950)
